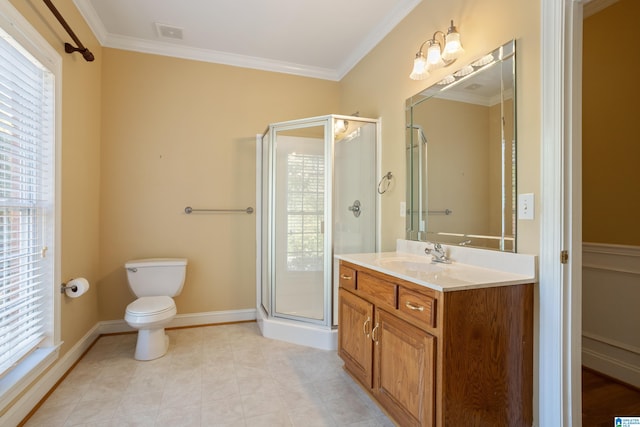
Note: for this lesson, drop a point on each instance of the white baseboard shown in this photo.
(21, 408)
(182, 320)
(613, 359)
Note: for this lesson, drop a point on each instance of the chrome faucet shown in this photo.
(437, 254)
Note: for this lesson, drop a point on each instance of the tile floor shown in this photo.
(227, 375)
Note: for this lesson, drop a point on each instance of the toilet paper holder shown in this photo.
(64, 287)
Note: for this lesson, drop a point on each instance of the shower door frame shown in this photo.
(329, 293)
(327, 216)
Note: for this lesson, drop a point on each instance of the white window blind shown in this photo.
(26, 200)
(305, 211)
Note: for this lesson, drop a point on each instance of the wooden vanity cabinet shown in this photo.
(355, 346)
(439, 358)
(404, 370)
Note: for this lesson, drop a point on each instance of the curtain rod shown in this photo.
(86, 54)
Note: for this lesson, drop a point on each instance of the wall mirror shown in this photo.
(461, 156)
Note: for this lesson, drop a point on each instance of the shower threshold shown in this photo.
(297, 332)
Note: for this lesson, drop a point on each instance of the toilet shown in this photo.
(154, 281)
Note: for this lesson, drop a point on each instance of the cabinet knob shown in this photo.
(414, 307)
(345, 277)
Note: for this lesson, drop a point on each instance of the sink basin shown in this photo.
(410, 264)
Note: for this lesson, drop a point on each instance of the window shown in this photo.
(305, 209)
(26, 142)
(28, 330)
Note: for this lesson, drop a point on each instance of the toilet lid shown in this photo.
(151, 305)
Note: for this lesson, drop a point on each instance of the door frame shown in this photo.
(560, 330)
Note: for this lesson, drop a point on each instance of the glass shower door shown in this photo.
(299, 220)
(318, 199)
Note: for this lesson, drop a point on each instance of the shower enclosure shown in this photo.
(316, 181)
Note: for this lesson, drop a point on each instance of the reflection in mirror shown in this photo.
(461, 151)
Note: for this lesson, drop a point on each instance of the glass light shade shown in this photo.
(419, 71)
(467, 69)
(447, 80)
(453, 48)
(483, 61)
(434, 59)
(340, 126)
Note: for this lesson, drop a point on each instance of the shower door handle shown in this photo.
(355, 208)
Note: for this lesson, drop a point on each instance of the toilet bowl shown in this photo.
(150, 315)
(154, 281)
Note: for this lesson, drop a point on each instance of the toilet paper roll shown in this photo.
(77, 287)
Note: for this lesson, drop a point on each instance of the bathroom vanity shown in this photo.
(440, 344)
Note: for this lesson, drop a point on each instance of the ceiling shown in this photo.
(321, 39)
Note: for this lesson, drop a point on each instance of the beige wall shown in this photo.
(379, 85)
(80, 187)
(611, 145)
(144, 136)
(176, 132)
(182, 133)
(458, 180)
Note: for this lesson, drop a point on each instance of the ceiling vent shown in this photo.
(168, 31)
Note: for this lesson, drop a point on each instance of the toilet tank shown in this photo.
(156, 276)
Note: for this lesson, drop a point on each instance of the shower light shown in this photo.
(340, 126)
(437, 56)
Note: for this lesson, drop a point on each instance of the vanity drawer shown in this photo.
(347, 278)
(376, 289)
(419, 306)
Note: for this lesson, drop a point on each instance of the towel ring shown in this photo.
(386, 180)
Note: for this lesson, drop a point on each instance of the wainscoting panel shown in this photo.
(611, 310)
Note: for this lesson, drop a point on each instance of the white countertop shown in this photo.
(480, 269)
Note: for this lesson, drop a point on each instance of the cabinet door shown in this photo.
(354, 336)
(404, 370)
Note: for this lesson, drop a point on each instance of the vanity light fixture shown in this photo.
(437, 56)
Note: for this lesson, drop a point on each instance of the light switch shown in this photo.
(525, 206)
(403, 209)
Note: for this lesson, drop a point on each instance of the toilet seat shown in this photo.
(150, 309)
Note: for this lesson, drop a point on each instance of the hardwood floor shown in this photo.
(604, 398)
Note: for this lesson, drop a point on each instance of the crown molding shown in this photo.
(205, 55)
(92, 19)
(164, 48)
(377, 35)
(591, 7)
